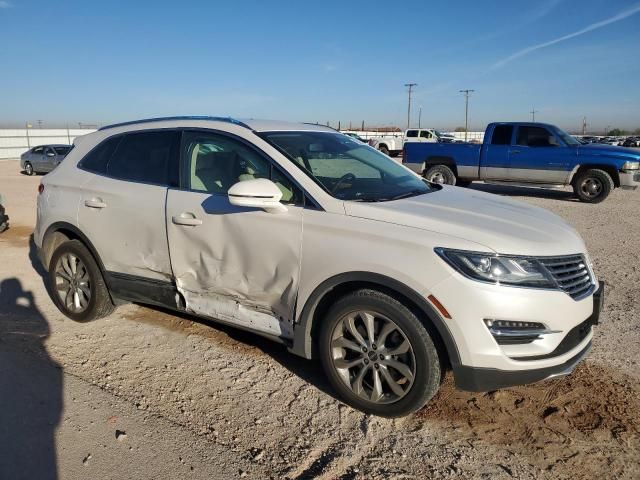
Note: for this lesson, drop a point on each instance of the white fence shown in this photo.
(15, 141)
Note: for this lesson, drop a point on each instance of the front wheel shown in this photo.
(593, 185)
(377, 355)
(440, 174)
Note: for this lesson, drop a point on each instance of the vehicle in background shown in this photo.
(4, 218)
(392, 144)
(311, 239)
(356, 136)
(446, 137)
(43, 158)
(529, 153)
(631, 142)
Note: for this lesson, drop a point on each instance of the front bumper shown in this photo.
(629, 180)
(478, 379)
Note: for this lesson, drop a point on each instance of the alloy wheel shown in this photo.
(591, 187)
(373, 357)
(72, 283)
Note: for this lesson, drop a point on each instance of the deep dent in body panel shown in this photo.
(227, 278)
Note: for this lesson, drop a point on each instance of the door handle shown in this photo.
(95, 202)
(185, 218)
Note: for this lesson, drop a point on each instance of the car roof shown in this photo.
(251, 124)
(53, 145)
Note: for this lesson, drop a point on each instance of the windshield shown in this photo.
(347, 169)
(568, 139)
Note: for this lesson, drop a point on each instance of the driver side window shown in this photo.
(215, 162)
(535, 137)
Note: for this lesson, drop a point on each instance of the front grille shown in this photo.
(571, 274)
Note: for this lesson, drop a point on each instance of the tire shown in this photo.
(97, 303)
(593, 185)
(440, 174)
(28, 168)
(384, 149)
(362, 358)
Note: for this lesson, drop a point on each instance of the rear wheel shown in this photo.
(384, 149)
(28, 168)
(440, 174)
(593, 185)
(76, 283)
(377, 355)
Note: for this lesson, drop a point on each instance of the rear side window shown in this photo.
(535, 137)
(145, 157)
(412, 133)
(96, 160)
(502, 135)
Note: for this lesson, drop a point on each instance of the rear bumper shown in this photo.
(478, 379)
(629, 180)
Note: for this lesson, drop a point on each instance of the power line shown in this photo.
(467, 93)
(410, 85)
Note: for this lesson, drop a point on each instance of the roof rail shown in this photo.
(185, 117)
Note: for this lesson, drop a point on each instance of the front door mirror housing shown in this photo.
(257, 193)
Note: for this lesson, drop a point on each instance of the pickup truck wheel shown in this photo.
(440, 174)
(76, 283)
(377, 355)
(593, 185)
(384, 149)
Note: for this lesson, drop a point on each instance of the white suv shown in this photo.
(308, 237)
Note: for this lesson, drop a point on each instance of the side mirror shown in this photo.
(51, 154)
(258, 193)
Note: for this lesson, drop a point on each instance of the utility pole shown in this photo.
(467, 93)
(584, 125)
(533, 114)
(420, 116)
(410, 85)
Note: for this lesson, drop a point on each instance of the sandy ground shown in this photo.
(148, 394)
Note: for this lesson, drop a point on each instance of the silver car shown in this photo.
(43, 158)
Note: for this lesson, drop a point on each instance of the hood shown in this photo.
(608, 150)
(499, 224)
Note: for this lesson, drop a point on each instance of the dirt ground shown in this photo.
(148, 394)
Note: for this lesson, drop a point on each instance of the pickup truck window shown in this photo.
(535, 137)
(412, 133)
(425, 134)
(502, 135)
(347, 169)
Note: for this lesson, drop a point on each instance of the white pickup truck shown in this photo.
(392, 144)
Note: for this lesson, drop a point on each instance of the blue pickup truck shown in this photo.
(528, 153)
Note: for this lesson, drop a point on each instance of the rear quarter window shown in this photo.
(96, 160)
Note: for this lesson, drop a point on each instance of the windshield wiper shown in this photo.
(412, 193)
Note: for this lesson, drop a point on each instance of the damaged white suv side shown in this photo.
(306, 236)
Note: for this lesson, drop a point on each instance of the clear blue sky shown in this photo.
(105, 61)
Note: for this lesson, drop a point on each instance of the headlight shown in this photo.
(485, 267)
(631, 166)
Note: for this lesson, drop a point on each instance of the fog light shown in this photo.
(509, 332)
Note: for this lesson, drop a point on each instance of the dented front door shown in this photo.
(235, 264)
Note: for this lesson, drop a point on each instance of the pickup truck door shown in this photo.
(539, 156)
(494, 154)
